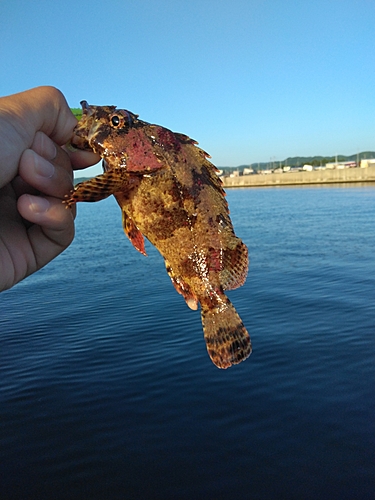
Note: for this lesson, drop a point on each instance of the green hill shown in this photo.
(299, 161)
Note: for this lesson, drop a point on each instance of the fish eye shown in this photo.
(115, 120)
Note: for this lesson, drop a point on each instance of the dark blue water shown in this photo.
(107, 392)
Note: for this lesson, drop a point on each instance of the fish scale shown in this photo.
(169, 192)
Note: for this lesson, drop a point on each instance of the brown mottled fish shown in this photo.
(169, 192)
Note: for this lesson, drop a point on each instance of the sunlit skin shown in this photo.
(36, 170)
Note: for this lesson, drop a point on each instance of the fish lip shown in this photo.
(79, 141)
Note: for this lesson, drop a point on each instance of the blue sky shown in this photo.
(249, 79)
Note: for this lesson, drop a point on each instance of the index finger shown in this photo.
(81, 159)
(46, 110)
(22, 115)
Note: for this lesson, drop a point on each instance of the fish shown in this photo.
(170, 193)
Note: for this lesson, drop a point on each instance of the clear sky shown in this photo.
(249, 79)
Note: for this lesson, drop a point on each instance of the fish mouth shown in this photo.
(86, 129)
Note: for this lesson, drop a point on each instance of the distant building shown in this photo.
(341, 164)
(308, 168)
(367, 163)
(235, 173)
(248, 171)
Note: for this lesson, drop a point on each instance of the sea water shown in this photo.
(107, 391)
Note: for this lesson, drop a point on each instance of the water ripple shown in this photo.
(107, 391)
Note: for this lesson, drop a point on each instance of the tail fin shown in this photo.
(227, 340)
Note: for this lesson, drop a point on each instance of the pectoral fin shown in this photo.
(98, 187)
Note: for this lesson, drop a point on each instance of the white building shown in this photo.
(248, 171)
(235, 173)
(308, 168)
(368, 163)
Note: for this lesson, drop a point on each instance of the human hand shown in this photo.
(36, 172)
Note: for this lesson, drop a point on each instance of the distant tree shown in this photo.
(315, 162)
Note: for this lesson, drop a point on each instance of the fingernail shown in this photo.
(44, 146)
(49, 149)
(43, 167)
(38, 205)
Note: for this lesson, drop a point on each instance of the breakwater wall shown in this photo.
(303, 178)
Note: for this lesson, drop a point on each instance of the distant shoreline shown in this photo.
(338, 176)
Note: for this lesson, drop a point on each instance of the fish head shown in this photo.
(102, 128)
